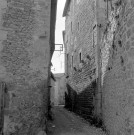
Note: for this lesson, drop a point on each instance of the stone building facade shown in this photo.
(80, 41)
(26, 47)
(102, 29)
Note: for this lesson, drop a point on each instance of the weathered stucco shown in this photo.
(24, 63)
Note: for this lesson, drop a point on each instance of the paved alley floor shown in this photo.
(67, 123)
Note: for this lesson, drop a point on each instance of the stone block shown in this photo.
(132, 30)
(131, 20)
(132, 3)
(132, 44)
(129, 84)
(129, 74)
(132, 38)
(41, 133)
(129, 33)
(127, 46)
(130, 66)
(131, 53)
(124, 37)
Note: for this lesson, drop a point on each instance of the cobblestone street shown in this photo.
(67, 123)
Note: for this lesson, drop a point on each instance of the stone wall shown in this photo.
(111, 61)
(80, 41)
(24, 63)
(118, 68)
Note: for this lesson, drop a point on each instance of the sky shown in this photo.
(60, 23)
(58, 57)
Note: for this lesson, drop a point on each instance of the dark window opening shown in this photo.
(71, 27)
(72, 62)
(78, 26)
(80, 57)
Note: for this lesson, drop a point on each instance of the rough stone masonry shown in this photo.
(80, 55)
(113, 21)
(24, 64)
(117, 49)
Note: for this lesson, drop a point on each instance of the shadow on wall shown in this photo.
(83, 103)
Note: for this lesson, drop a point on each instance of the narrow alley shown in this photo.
(71, 61)
(67, 123)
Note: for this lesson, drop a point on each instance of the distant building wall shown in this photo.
(59, 89)
(62, 89)
(25, 53)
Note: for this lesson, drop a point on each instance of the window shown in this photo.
(80, 57)
(71, 27)
(78, 26)
(72, 62)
